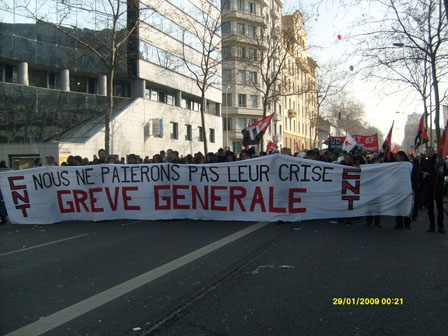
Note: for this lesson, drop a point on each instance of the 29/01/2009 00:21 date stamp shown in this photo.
(360, 301)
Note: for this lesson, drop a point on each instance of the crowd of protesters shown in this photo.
(428, 173)
(172, 156)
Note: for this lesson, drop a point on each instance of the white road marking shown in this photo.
(127, 224)
(46, 244)
(65, 315)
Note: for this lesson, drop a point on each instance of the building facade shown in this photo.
(245, 24)
(410, 131)
(299, 87)
(325, 129)
(53, 90)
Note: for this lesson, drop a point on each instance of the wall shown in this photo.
(127, 132)
(18, 149)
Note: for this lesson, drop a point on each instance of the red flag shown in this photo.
(441, 145)
(442, 149)
(253, 133)
(395, 150)
(422, 136)
(385, 148)
(271, 145)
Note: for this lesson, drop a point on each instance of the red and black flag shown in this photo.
(271, 146)
(253, 133)
(422, 136)
(385, 148)
(442, 148)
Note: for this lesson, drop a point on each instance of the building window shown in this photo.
(226, 99)
(242, 76)
(79, 84)
(280, 130)
(162, 97)
(37, 78)
(196, 106)
(11, 74)
(225, 28)
(251, 31)
(227, 124)
(226, 51)
(242, 100)
(225, 4)
(174, 131)
(253, 78)
(254, 101)
(154, 95)
(212, 135)
(252, 7)
(201, 136)
(241, 28)
(286, 123)
(237, 146)
(188, 133)
(242, 123)
(253, 54)
(52, 82)
(226, 75)
(241, 6)
(169, 99)
(241, 52)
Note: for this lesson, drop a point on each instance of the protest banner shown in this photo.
(269, 188)
(367, 142)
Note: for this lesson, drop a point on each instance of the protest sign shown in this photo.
(269, 188)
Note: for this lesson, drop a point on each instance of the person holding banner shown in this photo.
(376, 218)
(406, 220)
(434, 170)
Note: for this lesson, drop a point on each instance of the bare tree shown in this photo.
(201, 51)
(331, 83)
(347, 113)
(369, 130)
(420, 29)
(113, 43)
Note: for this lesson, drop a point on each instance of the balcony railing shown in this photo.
(246, 16)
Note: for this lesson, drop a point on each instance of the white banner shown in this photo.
(269, 188)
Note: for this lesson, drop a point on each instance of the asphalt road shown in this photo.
(222, 278)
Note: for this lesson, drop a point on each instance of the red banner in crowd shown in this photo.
(368, 142)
